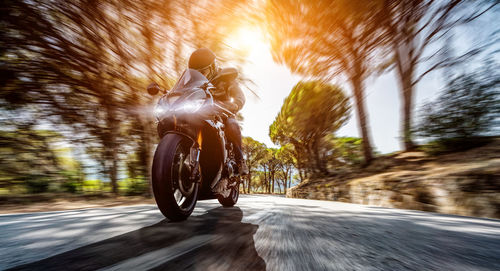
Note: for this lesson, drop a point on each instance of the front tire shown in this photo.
(174, 193)
(232, 199)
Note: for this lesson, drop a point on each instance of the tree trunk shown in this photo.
(285, 180)
(405, 77)
(265, 180)
(319, 162)
(357, 87)
(249, 177)
(111, 146)
(272, 182)
(311, 159)
(407, 113)
(298, 154)
(114, 172)
(244, 185)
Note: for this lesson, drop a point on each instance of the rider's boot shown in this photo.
(242, 167)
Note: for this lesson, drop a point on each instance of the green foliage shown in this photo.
(37, 184)
(346, 150)
(326, 39)
(446, 145)
(134, 186)
(94, 186)
(73, 180)
(259, 182)
(71, 187)
(311, 111)
(417, 41)
(468, 107)
(83, 68)
(286, 154)
(287, 162)
(269, 168)
(35, 159)
(28, 158)
(255, 152)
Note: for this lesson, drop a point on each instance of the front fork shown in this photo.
(194, 162)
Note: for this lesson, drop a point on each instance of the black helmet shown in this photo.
(203, 59)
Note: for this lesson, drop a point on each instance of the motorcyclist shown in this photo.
(227, 93)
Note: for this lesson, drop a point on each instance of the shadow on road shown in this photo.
(233, 249)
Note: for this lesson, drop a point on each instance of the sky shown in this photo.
(273, 83)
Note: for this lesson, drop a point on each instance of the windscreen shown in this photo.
(190, 79)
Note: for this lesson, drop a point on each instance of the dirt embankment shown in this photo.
(464, 183)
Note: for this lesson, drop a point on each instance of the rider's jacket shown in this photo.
(228, 92)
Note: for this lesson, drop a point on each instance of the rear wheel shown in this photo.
(233, 195)
(175, 193)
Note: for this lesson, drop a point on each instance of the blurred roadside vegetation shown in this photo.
(73, 74)
(466, 114)
(353, 41)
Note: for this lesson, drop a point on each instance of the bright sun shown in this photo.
(248, 40)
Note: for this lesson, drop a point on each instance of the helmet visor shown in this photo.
(210, 70)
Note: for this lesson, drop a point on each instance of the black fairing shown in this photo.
(211, 159)
(212, 150)
(191, 124)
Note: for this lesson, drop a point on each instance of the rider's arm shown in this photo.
(237, 95)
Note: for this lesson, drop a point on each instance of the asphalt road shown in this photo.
(261, 233)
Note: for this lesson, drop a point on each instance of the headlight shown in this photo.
(159, 109)
(189, 106)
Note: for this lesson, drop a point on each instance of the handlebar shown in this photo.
(208, 87)
(223, 110)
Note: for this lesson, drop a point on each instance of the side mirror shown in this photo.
(153, 89)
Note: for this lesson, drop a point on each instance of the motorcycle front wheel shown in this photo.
(174, 192)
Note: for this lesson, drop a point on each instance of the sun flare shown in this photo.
(248, 41)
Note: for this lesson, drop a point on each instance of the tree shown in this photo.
(286, 157)
(259, 182)
(326, 39)
(469, 106)
(85, 63)
(254, 152)
(76, 67)
(311, 111)
(272, 166)
(345, 151)
(416, 31)
(29, 159)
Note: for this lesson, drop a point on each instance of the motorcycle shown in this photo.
(193, 160)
